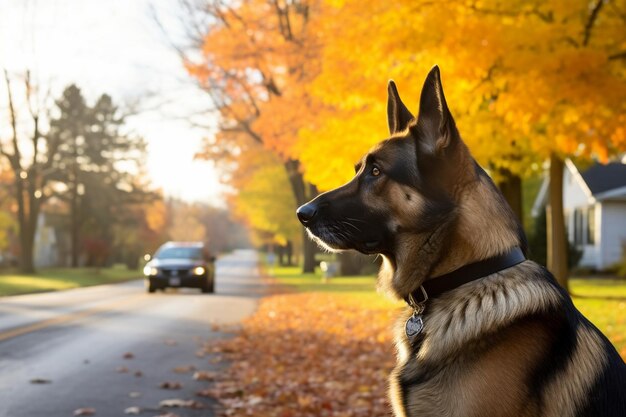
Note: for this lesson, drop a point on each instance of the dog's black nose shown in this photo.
(306, 213)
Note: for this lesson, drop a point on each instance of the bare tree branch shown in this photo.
(618, 55)
(15, 158)
(547, 17)
(590, 22)
(34, 114)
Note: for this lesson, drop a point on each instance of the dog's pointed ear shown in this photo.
(436, 126)
(398, 116)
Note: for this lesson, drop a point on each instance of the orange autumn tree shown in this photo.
(261, 195)
(254, 58)
(527, 81)
(264, 200)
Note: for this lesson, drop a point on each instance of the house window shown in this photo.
(578, 227)
(584, 226)
(591, 225)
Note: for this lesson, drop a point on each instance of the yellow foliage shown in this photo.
(264, 198)
(307, 81)
(156, 214)
(258, 57)
(522, 78)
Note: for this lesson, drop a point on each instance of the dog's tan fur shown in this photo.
(480, 209)
(458, 319)
(491, 386)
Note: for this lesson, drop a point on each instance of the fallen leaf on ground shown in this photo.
(204, 375)
(132, 411)
(129, 355)
(184, 369)
(122, 369)
(170, 385)
(317, 355)
(209, 393)
(85, 411)
(254, 400)
(177, 402)
(40, 381)
(196, 405)
(138, 374)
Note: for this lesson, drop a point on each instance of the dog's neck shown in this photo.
(486, 227)
(483, 226)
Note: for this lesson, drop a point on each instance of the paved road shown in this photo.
(77, 339)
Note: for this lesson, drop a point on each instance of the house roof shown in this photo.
(600, 182)
(601, 178)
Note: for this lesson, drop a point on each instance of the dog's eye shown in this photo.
(375, 171)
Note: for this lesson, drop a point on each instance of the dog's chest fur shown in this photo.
(481, 345)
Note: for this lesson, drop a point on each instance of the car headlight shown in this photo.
(150, 271)
(199, 270)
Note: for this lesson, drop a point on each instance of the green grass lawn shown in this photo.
(603, 301)
(292, 276)
(55, 279)
(361, 289)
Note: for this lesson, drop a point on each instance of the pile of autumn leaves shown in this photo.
(310, 354)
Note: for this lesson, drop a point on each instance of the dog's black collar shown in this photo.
(436, 286)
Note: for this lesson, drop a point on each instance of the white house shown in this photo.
(594, 201)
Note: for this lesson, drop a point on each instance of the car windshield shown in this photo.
(179, 253)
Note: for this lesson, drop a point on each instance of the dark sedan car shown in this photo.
(181, 264)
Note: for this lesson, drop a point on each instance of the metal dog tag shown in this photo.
(414, 326)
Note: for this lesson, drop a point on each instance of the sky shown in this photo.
(115, 47)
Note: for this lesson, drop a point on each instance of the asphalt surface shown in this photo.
(76, 342)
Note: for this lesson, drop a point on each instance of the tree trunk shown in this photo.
(280, 249)
(26, 226)
(74, 229)
(309, 249)
(74, 219)
(511, 188)
(303, 192)
(27, 264)
(289, 252)
(25, 181)
(27, 230)
(28, 247)
(557, 241)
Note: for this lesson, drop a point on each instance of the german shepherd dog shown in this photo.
(486, 333)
